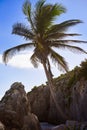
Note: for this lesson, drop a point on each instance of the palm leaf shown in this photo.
(74, 49)
(67, 41)
(59, 60)
(8, 54)
(27, 8)
(22, 30)
(63, 26)
(39, 5)
(46, 15)
(60, 35)
(28, 12)
(34, 60)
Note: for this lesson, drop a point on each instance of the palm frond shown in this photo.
(59, 60)
(28, 12)
(39, 5)
(74, 49)
(22, 30)
(8, 54)
(34, 60)
(27, 8)
(63, 26)
(58, 9)
(60, 35)
(46, 15)
(68, 41)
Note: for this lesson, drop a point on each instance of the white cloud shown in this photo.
(23, 61)
(1, 59)
(19, 61)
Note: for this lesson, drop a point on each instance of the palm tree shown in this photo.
(43, 35)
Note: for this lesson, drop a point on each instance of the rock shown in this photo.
(40, 103)
(31, 123)
(44, 107)
(73, 124)
(2, 127)
(60, 127)
(83, 126)
(14, 107)
(70, 94)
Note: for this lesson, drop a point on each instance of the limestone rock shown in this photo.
(40, 103)
(31, 123)
(14, 107)
(70, 95)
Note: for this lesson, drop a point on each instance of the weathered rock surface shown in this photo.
(15, 111)
(40, 103)
(70, 94)
(2, 127)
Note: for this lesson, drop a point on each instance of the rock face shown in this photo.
(40, 103)
(2, 127)
(15, 111)
(70, 94)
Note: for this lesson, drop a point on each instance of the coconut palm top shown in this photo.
(43, 35)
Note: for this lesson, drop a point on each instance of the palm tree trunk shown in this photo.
(51, 86)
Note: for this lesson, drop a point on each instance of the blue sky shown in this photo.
(19, 68)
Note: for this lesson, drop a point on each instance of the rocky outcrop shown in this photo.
(70, 94)
(39, 102)
(19, 111)
(15, 111)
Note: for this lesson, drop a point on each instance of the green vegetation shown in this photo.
(34, 88)
(83, 70)
(72, 78)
